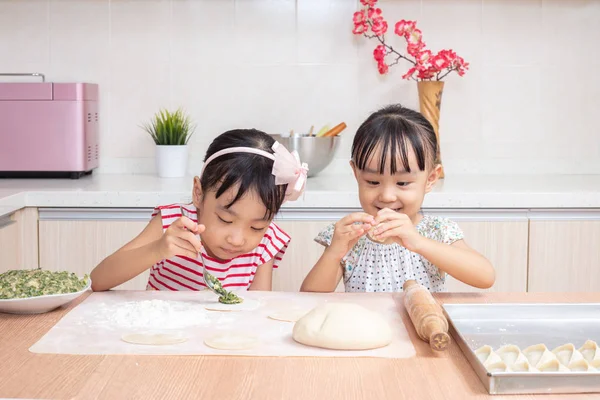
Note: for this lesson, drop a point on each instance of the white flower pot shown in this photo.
(171, 161)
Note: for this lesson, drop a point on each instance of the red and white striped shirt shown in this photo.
(184, 273)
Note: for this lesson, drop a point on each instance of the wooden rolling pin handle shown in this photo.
(438, 339)
(426, 315)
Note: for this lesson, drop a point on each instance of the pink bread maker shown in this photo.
(48, 130)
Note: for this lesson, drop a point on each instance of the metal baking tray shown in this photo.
(475, 325)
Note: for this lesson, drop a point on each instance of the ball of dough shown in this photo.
(342, 326)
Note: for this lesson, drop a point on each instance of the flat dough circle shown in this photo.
(343, 326)
(370, 235)
(154, 339)
(291, 315)
(231, 341)
(246, 305)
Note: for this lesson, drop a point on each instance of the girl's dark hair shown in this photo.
(395, 128)
(251, 171)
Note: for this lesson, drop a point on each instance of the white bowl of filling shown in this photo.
(37, 291)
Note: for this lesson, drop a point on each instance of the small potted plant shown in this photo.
(171, 132)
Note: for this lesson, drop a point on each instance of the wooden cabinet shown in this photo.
(9, 243)
(504, 243)
(531, 251)
(302, 254)
(19, 240)
(77, 240)
(564, 251)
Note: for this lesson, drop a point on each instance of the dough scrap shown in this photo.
(232, 341)
(247, 305)
(291, 315)
(154, 339)
(342, 326)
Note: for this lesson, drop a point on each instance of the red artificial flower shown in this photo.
(404, 27)
(360, 23)
(410, 73)
(359, 18)
(379, 26)
(369, 3)
(425, 66)
(379, 53)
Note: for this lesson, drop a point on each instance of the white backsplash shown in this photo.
(529, 104)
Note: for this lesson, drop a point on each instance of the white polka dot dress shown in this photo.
(376, 267)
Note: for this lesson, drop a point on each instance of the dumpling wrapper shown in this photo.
(596, 363)
(590, 351)
(232, 341)
(487, 356)
(538, 354)
(511, 354)
(567, 354)
(154, 339)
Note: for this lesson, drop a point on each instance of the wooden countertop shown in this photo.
(426, 376)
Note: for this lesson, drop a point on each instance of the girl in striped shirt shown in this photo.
(245, 179)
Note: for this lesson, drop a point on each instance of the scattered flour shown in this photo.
(148, 314)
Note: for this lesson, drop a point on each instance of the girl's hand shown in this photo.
(391, 224)
(180, 239)
(348, 231)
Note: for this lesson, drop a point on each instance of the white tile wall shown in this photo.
(529, 103)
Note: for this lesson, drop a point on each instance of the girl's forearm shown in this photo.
(463, 264)
(325, 275)
(122, 266)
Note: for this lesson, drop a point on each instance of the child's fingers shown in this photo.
(183, 248)
(192, 239)
(357, 217)
(184, 222)
(383, 230)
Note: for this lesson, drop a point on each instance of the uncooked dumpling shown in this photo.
(487, 356)
(511, 354)
(538, 354)
(342, 326)
(499, 366)
(567, 354)
(581, 366)
(552, 366)
(590, 351)
(523, 367)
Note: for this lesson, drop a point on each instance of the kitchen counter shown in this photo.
(324, 191)
(425, 376)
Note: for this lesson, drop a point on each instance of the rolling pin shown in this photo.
(426, 315)
(335, 130)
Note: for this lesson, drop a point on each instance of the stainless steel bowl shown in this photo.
(317, 152)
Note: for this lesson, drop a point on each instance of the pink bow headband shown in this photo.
(287, 167)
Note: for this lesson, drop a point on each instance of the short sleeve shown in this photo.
(450, 231)
(273, 246)
(324, 237)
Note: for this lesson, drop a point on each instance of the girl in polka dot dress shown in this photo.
(391, 241)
